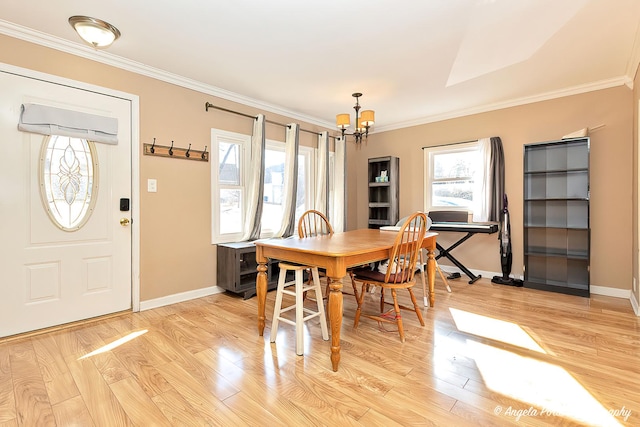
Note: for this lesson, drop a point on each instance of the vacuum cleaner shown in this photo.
(506, 257)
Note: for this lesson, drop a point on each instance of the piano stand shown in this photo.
(446, 253)
(470, 229)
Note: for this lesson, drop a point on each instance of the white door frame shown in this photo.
(135, 161)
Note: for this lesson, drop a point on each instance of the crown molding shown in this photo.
(575, 90)
(81, 50)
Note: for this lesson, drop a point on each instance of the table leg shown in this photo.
(335, 319)
(431, 276)
(261, 293)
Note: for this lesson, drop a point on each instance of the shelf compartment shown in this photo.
(558, 272)
(557, 185)
(379, 194)
(376, 166)
(379, 213)
(554, 242)
(557, 213)
(560, 155)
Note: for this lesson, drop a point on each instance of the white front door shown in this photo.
(50, 276)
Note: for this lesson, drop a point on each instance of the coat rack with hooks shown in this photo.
(175, 152)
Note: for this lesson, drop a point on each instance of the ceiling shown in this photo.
(414, 61)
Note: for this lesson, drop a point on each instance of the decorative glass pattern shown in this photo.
(68, 177)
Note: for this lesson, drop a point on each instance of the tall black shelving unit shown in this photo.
(384, 192)
(556, 216)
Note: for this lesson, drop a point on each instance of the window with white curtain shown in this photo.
(229, 156)
(272, 208)
(452, 174)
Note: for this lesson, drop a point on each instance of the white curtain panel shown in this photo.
(483, 182)
(338, 214)
(290, 189)
(255, 187)
(322, 174)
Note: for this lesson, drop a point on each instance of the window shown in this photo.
(452, 174)
(229, 154)
(272, 208)
(68, 177)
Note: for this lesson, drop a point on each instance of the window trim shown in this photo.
(428, 155)
(244, 141)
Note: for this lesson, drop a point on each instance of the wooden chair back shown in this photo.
(313, 223)
(406, 249)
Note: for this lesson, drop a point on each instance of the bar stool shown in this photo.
(300, 288)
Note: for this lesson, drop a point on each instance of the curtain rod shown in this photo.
(208, 105)
(451, 143)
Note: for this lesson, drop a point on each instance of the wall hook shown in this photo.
(176, 153)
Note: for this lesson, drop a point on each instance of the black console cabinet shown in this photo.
(237, 269)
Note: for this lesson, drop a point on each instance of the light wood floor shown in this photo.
(488, 355)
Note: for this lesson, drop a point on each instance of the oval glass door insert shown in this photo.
(68, 180)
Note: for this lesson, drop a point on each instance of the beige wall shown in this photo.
(175, 223)
(176, 255)
(610, 178)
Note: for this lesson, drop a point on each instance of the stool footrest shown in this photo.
(293, 322)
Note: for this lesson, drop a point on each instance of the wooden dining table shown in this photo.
(334, 253)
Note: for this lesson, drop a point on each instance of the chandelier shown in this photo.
(363, 121)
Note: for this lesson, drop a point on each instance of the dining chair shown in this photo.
(314, 223)
(400, 274)
(422, 262)
(421, 265)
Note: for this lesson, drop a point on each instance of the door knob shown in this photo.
(124, 222)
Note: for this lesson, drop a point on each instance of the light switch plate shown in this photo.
(152, 185)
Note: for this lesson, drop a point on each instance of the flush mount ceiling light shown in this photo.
(96, 32)
(363, 121)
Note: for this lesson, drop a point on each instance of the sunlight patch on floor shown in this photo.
(114, 344)
(543, 385)
(545, 389)
(495, 329)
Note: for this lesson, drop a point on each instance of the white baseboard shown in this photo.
(181, 297)
(597, 290)
(634, 304)
(610, 292)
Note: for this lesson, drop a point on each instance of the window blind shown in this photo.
(48, 120)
